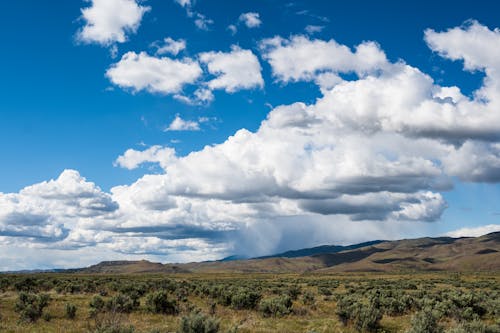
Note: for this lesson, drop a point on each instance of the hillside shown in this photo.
(422, 254)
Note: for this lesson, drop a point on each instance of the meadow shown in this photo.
(210, 303)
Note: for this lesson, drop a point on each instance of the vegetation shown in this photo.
(244, 303)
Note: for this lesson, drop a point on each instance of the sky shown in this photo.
(183, 130)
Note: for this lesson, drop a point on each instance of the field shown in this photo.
(354, 302)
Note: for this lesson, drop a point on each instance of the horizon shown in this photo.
(236, 256)
(179, 130)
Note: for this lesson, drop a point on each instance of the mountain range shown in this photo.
(407, 255)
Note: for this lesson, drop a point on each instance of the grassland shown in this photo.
(354, 302)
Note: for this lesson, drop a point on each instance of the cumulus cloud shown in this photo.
(473, 43)
(156, 75)
(46, 211)
(109, 21)
(235, 70)
(132, 158)
(250, 19)
(170, 46)
(367, 159)
(179, 124)
(300, 58)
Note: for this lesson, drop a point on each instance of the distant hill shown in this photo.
(319, 250)
(422, 254)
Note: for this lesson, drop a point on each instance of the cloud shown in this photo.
(235, 70)
(202, 22)
(300, 58)
(156, 75)
(170, 46)
(312, 29)
(475, 162)
(367, 159)
(233, 29)
(109, 21)
(132, 159)
(250, 19)
(179, 124)
(201, 96)
(474, 231)
(473, 43)
(46, 212)
(185, 3)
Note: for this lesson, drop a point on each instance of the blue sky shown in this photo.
(342, 145)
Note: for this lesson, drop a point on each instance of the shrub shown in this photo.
(245, 299)
(70, 310)
(367, 318)
(30, 306)
(96, 305)
(325, 291)
(346, 307)
(293, 292)
(158, 302)
(308, 298)
(121, 303)
(198, 323)
(425, 322)
(27, 284)
(474, 327)
(276, 306)
(111, 322)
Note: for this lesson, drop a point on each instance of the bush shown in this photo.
(198, 323)
(158, 302)
(70, 310)
(367, 318)
(111, 322)
(245, 299)
(346, 307)
(474, 327)
(425, 322)
(308, 298)
(293, 292)
(30, 306)
(276, 306)
(122, 303)
(325, 291)
(96, 305)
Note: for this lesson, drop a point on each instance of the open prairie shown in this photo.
(341, 302)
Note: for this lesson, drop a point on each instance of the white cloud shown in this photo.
(109, 21)
(170, 46)
(157, 75)
(312, 29)
(232, 29)
(185, 3)
(236, 70)
(300, 58)
(474, 231)
(202, 22)
(201, 96)
(179, 124)
(368, 159)
(474, 162)
(250, 19)
(132, 158)
(473, 43)
(46, 212)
